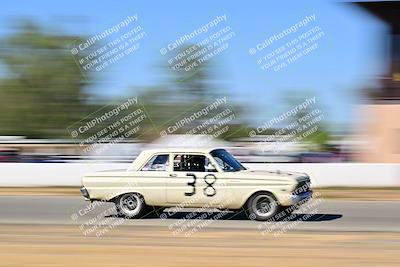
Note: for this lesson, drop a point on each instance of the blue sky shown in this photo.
(348, 57)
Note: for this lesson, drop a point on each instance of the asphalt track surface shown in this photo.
(328, 215)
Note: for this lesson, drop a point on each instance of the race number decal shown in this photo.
(192, 184)
(208, 191)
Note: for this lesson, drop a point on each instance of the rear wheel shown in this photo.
(130, 205)
(262, 206)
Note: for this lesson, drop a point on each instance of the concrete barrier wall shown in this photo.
(50, 174)
(341, 174)
(322, 174)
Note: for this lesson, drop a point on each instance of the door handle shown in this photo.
(172, 175)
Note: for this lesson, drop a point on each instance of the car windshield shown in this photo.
(226, 161)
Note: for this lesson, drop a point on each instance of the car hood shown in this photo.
(279, 175)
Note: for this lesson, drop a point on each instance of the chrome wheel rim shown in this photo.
(264, 205)
(130, 204)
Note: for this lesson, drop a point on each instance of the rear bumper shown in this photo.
(85, 193)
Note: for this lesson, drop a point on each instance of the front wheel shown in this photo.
(262, 206)
(130, 205)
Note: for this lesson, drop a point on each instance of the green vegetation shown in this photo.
(42, 91)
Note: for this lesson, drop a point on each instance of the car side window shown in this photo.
(186, 162)
(157, 163)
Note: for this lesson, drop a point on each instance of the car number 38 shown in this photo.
(194, 177)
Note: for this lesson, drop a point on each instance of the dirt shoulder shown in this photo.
(357, 193)
(40, 191)
(62, 246)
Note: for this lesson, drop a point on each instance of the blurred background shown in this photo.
(354, 75)
(286, 86)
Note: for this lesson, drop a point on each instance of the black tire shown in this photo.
(262, 206)
(130, 205)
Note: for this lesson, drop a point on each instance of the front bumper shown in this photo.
(85, 193)
(303, 196)
(292, 199)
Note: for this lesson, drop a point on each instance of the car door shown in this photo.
(152, 177)
(192, 182)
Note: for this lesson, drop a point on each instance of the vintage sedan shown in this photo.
(196, 177)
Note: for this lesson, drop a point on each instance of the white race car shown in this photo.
(196, 177)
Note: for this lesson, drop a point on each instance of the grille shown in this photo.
(302, 187)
